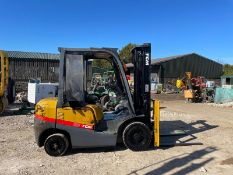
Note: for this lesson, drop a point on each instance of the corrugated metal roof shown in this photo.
(157, 61)
(33, 55)
(161, 60)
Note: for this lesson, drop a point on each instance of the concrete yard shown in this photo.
(210, 125)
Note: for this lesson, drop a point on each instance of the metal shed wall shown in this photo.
(198, 65)
(31, 65)
(25, 69)
(24, 66)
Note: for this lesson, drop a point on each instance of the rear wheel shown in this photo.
(136, 136)
(56, 144)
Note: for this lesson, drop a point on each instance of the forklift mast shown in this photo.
(141, 58)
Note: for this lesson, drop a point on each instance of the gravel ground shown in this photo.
(203, 123)
(223, 105)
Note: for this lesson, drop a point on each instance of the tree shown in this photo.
(102, 63)
(125, 53)
(228, 69)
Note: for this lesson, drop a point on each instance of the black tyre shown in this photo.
(137, 136)
(104, 99)
(56, 144)
(11, 91)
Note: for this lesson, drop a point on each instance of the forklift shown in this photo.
(76, 119)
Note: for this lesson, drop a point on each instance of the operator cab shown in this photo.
(95, 78)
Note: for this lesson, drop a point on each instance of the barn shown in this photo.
(24, 66)
(164, 70)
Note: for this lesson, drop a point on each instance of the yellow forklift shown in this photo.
(78, 119)
(3, 80)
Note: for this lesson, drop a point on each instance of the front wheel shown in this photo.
(136, 136)
(56, 144)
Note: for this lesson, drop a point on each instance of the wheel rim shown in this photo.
(56, 145)
(137, 136)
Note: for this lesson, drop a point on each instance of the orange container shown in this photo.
(188, 93)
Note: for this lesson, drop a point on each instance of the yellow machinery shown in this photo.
(185, 84)
(4, 80)
(188, 92)
(180, 84)
(194, 88)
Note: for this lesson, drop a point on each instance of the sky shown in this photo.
(173, 27)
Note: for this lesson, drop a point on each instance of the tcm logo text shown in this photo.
(147, 59)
